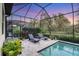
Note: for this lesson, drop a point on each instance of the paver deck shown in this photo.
(30, 48)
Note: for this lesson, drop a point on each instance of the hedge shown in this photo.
(68, 38)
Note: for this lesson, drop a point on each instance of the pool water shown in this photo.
(61, 49)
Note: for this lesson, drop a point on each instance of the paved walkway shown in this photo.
(30, 48)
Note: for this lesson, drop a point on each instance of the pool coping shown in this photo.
(66, 42)
(47, 46)
(76, 44)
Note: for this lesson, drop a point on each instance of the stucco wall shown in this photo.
(2, 36)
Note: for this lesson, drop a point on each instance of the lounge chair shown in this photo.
(32, 38)
(42, 37)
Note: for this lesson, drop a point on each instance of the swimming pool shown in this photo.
(60, 49)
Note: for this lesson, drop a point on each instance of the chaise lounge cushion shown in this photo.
(42, 37)
(31, 38)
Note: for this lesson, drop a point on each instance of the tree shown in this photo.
(45, 23)
(77, 27)
(34, 23)
(61, 22)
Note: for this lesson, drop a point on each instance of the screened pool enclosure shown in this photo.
(53, 19)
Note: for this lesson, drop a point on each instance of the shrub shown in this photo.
(32, 30)
(69, 38)
(16, 31)
(43, 30)
(47, 35)
(24, 35)
(11, 48)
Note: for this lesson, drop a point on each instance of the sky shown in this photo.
(52, 9)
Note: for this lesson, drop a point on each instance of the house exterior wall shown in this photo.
(2, 35)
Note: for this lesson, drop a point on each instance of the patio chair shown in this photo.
(42, 37)
(32, 38)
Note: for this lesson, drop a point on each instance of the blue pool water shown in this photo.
(61, 49)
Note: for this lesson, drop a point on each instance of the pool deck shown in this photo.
(31, 49)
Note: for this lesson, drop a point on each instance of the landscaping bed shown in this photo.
(12, 47)
(68, 38)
